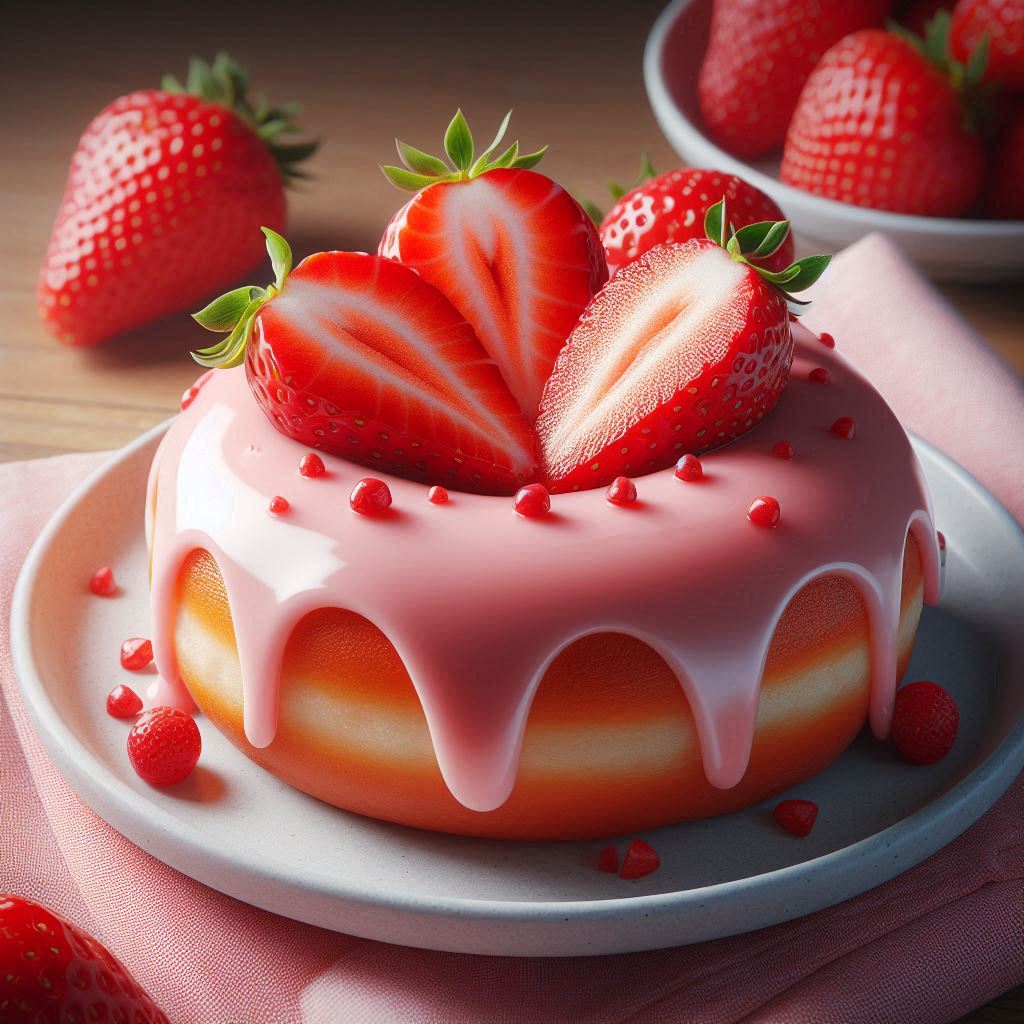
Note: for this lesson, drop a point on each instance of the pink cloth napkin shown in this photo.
(928, 946)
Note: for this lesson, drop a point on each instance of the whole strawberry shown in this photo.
(881, 124)
(758, 59)
(52, 972)
(925, 722)
(671, 208)
(999, 26)
(167, 191)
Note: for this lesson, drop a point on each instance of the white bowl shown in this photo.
(947, 248)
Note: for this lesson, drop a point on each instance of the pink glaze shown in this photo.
(456, 588)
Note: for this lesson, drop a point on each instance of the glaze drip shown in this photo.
(478, 601)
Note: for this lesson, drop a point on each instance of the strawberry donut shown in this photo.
(601, 669)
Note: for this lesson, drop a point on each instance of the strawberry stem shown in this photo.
(422, 170)
(755, 241)
(226, 83)
(234, 312)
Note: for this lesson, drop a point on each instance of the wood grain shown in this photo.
(365, 73)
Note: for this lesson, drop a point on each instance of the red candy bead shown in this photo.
(796, 816)
(164, 746)
(689, 469)
(845, 428)
(437, 495)
(925, 723)
(819, 375)
(608, 860)
(278, 505)
(622, 491)
(188, 396)
(102, 582)
(764, 511)
(370, 497)
(123, 702)
(532, 501)
(827, 340)
(312, 465)
(641, 859)
(782, 450)
(136, 653)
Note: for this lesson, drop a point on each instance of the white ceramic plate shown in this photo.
(240, 830)
(947, 248)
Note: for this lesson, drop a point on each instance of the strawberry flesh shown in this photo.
(515, 254)
(360, 357)
(683, 350)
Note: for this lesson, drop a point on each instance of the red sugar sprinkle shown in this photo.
(102, 582)
(370, 497)
(782, 450)
(136, 653)
(827, 340)
(437, 495)
(641, 859)
(689, 469)
(312, 465)
(764, 511)
(819, 375)
(123, 702)
(796, 816)
(278, 505)
(188, 396)
(622, 491)
(608, 860)
(845, 428)
(532, 501)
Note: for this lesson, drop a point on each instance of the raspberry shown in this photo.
(437, 496)
(136, 653)
(370, 497)
(278, 505)
(819, 375)
(102, 582)
(532, 501)
(123, 702)
(796, 816)
(641, 859)
(312, 465)
(845, 428)
(622, 491)
(608, 860)
(925, 722)
(764, 511)
(689, 469)
(164, 746)
(782, 450)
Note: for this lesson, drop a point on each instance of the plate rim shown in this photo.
(665, 109)
(934, 825)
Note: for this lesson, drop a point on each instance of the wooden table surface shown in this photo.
(365, 73)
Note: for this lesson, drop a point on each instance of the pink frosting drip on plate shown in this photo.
(478, 601)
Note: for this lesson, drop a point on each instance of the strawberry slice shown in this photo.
(360, 357)
(515, 253)
(684, 349)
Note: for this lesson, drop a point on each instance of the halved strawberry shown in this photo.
(361, 357)
(515, 253)
(684, 349)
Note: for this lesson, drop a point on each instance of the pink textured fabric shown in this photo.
(926, 947)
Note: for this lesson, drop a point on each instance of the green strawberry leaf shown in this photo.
(763, 238)
(508, 158)
(499, 135)
(531, 159)
(420, 162)
(715, 223)
(809, 269)
(458, 142)
(280, 253)
(407, 180)
(224, 313)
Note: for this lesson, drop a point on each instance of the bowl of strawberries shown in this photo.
(905, 118)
